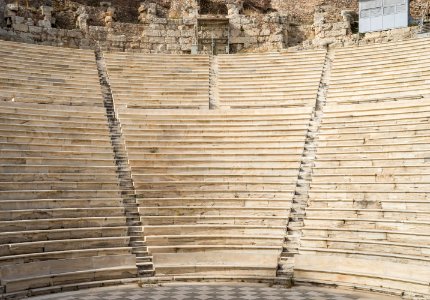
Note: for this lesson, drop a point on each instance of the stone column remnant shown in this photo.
(48, 19)
(10, 13)
(82, 18)
(109, 15)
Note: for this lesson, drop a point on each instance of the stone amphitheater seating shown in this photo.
(384, 72)
(269, 80)
(159, 81)
(368, 219)
(61, 215)
(39, 74)
(215, 187)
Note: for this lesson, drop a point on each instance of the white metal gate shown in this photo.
(377, 15)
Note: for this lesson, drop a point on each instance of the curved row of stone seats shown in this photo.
(48, 75)
(158, 81)
(385, 72)
(62, 219)
(215, 187)
(367, 223)
(285, 79)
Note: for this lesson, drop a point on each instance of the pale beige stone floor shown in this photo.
(212, 292)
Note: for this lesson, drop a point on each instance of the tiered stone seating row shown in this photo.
(159, 81)
(41, 74)
(61, 215)
(368, 220)
(385, 72)
(269, 80)
(215, 187)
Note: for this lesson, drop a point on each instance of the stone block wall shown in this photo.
(268, 32)
(167, 36)
(46, 36)
(163, 34)
(154, 34)
(327, 32)
(2, 9)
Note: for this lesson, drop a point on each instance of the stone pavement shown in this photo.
(212, 292)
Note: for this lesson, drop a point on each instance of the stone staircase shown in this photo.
(300, 199)
(213, 82)
(135, 230)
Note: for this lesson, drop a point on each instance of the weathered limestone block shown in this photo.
(29, 22)
(153, 32)
(159, 48)
(157, 40)
(147, 11)
(276, 38)
(173, 47)
(234, 7)
(35, 29)
(348, 16)
(157, 20)
(170, 40)
(336, 33)
(82, 19)
(253, 31)
(184, 9)
(20, 27)
(246, 40)
(190, 12)
(46, 10)
(116, 38)
(341, 25)
(18, 20)
(44, 23)
(323, 42)
(109, 15)
(319, 15)
(10, 13)
(11, 10)
(187, 33)
(173, 33)
(2, 9)
(48, 19)
(330, 33)
(77, 34)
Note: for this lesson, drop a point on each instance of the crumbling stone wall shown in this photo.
(328, 31)
(2, 8)
(261, 32)
(302, 11)
(155, 33)
(161, 36)
(267, 32)
(158, 29)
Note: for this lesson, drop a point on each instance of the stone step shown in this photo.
(145, 265)
(141, 253)
(144, 259)
(145, 272)
(138, 244)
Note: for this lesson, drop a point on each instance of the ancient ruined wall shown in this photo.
(160, 28)
(155, 33)
(160, 36)
(302, 10)
(46, 36)
(261, 33)
(2, 8)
